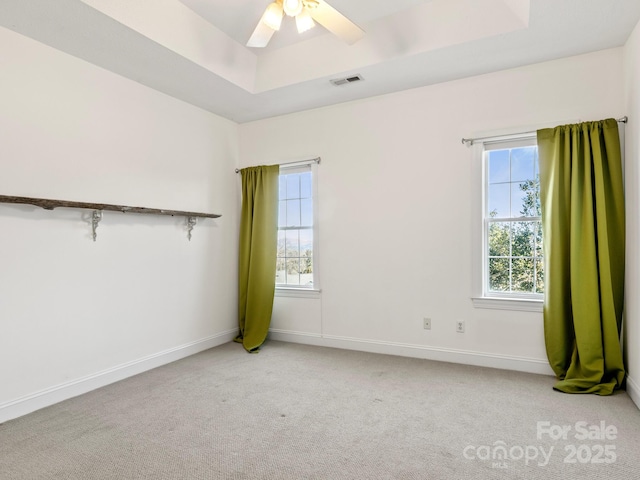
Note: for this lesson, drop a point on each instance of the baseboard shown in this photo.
(504, 362)
(35, 401)
(633, 390)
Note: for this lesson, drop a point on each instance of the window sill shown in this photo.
(292, 292)
(501, 303)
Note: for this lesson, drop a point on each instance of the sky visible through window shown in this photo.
(508, 169)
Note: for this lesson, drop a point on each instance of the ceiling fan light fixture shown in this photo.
(307, 13)
(272, 16)
(304, 21)
(292, 7)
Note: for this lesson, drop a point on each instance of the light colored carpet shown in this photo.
(303, 412)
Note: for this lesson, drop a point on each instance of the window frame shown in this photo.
(481, 297)
(302, 291)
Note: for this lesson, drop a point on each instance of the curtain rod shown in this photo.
(471, 140)
(295, 163)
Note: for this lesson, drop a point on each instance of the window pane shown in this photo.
(522, 161)
(522, 238)
(499, 239)
(517, 201)
(281, 276)
(282, 213)
(305, 185)
(539, 276)
(293, 213)
(293, 271)
(498, 203)
(514, 248)
(498, 166)
(294, 265)
(306, 264)
(538, 239)
(292, 243)
(499, 274)
(293, 185)
(306, 241)
(529, 199)
(306, 269)
(281, 243)
(306, 207)
(522, 275)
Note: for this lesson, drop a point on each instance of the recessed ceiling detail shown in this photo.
(425, 27)
(195, 50)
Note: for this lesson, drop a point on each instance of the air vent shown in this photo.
(344, 81)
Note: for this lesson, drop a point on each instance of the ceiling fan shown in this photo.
(306, 13)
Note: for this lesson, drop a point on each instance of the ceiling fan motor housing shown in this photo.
(292, 7)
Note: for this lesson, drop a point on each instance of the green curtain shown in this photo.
(583, 223)
(257, 256)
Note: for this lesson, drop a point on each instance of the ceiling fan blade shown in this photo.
(260, 36)
(336, 23)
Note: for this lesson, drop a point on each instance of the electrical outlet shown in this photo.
(460, 326)
(426, 323)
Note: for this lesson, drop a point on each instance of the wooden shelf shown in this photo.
(49, 204)
(97, 208)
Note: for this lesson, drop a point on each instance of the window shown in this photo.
(296, 232)
(511, 239)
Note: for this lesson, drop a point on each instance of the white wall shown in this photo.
(75, 314)
(395, 208)
(394, 214)
(632, 184)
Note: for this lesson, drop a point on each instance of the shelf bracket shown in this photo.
(191, 222)
(95, 220)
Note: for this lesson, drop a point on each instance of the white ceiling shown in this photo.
(194, 49)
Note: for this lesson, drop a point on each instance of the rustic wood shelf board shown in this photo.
(49, 204)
